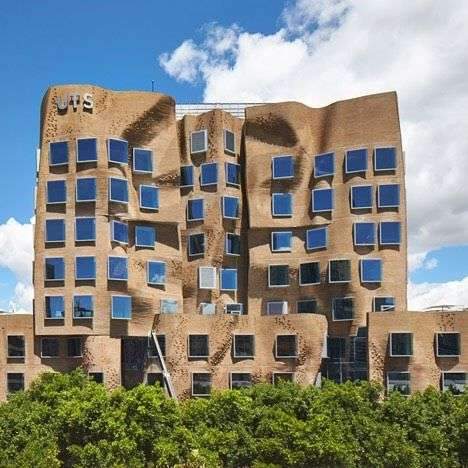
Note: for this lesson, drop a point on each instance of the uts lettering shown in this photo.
(74, 100)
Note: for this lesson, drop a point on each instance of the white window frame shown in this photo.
(269, 274)
(112, 307)
(47, 192)
(361, 270)
(45, 231)
(239, 372)
(272, 243)
(205, 139)
(88, 200)
(108, 268)
(241, 308)
(437, 344)
(156, 187)
(321, 190)
(383, 310)
(76, 269)
(201, 254)
(166, 300)
(98, 372)
(333, 309)
(211, 383)
(68, 153)
(193, 175)
(367, 160)
(142, 245)
(388, 206)
(305, 300)
(300, 274)
(8, 348)
(329, 270)
(113, 239)
(380, 233)
(314, 229)
(355, 235)
(48, 338)
(273, 175)
(148, 271)
(109, 182)
(202, 304)
(223, 198)
(276, 215)
(284, 307)
(226, 164)
(64, 269)
(76, 230)
(375, 158)
(453, 372)
(226, 149)
(387, 380)
(226, 244)
(108, 150)
(73, 306)
(391, 344)
(273, 376)
(81, 347)
(203, 209)
(334, 165)
(234, 354)
(296, 343)
(214, 276)
(209, 184)
(87, 161)
(45, 307)
(220, 270)
(352, 197)
(190, 356)
(136, 171)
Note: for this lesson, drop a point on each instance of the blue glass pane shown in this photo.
(118, 190)
(142, 160)
(281, 241)
(85, 229)
(86, 150)
(156, 272)
(230, 207)
(385, 159)
(232, 174)
(186, 176)
(196, 244)
(324, 165)
(371, 270)
(198, 141)
(356, 160)
(361, 197)
(343, 309)
(118, 151)
(317, 238)
(195, 209)
(56, 191)
(389, 195)
(233, 244)
(145, 236)
(228, 279)
(58, 153)
(282, 204)
(149, 197)
(168, 306)
(120, 232)
(85, 268)
(54, 268)
(55, 230)
(322, 200)
(121, 307)
(390, 232)
(86, 189)
(83, 306)
(118, 268)
(54, 307)
(209, 174)
(364, 234)
(283, 167)
(384, 303)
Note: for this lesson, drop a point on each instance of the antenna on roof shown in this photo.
(152, 86)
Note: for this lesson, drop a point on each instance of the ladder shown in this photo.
(165, 372)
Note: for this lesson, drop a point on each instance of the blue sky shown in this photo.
(118, 44)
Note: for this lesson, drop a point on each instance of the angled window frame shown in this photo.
(64, 305)
(376, 149)
(244, 383)
(205, 149)
(328, 174)
(301, 283)
(203, 183)
(274, 196)
(325, 189)
(394, 373)
(289, 157)
(227, 164)
(223, 205)
(93, 302)
(272, 243)
(93, 278)
(222, 270)
(64, 226)
(193, 176)
(64, 268)
(226, 243)
(284, 307)
(301, 301)
(296, 346)
(381, 242)
(109, 181)
(210, 383)
(148, 279)
(142, 227)
(357, 171)
(342, 298)
(77, 152)
(351, 201)
(390, 338)
(76, 228)
(189, 251)
(459, 344)
(318, 228)
(140, 171)
(363, 262)
(356, 225)
(235, 305)
(226, 149)
(235, 353)
(379, 205)
(156, 188)
(86, 200)
(108, 142)
(62, 202)
(383, 308)
(191, 200)
(270, 265)
(109, 257)
(329, 270)
(51, 164)
(113, 238)
(213, 272)
(127, 296)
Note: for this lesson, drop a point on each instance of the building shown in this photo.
(215, 246)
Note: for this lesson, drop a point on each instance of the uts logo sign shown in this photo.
(75, 100)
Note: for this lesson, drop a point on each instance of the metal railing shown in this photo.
(237, 109)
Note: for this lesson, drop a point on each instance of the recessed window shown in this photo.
(307, 306)
(309, 273)
(142, 160)
(281, 241)
(55, 230)
(119, 232)
(198, 141)
(244, 346)
(401, 344)
(149, 197)
(322, 200)
(389, 196)
(207, 277)
(186, 176)
(233, 244)
(15, 382)
(118, 268)
(83, 306)
(118, 190)
(198, 346)
(278, 276)
(361, 197)
(454, 382)
(156, 272)
(324, 165)
(54, 269)
(168, 306)
(232, 174)
(86, 189)
(286, 346)
(339, 271)
(448, 344)
(281, 377)
(97, 377)
(201, 384)
(207, 308)
(277, 308)
(229, 142)
(209, 174)
(117, 151)
(121, 307)
(145, 236)
(240, 380)
(58, 153)
(390, 233)
(356, 161)
(228, 279)
(86, 150)
(317, 238)
(282, 167)
(85, 268)
(85, 229)
(399, 382)
(50, 347)
(56, 192)
(196, 244)
(364, 234)
(234, 308)
(384, 304)
(16, 346)
(155, 378)
(342, 308)
(230, 207)
(371, 270)
(195, 209)
(385, 159)
(282, 204)
(74, 347)
(54, 307)
(152, 351)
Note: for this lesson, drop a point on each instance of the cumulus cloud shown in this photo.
(424, 295)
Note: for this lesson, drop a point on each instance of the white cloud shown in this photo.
(425, 295)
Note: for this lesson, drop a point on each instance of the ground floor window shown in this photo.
(201, 384)
(15, 382)
(241, 379)
(279, 377)
(399, 382)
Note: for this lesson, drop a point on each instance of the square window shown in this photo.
(281, 241)
(119, 232)
(307, 306)
(55, 230)
(196, 244)
(152, 351)
(401, 344)
(198, 346)
(86, 150)
(389, 196)
(232, 174)
(142, 160)
(58, 153)
(448, 344)
(118, 268)
(56, 192)
(286, 346)
(454, 382)
(74, 347)
(186, 176)
(277, 308)
(317, 238)
(85, 229)
(234, 308)
(282, 204)
(83, 306)
(86, 189)
(168, 306)
(16, 346)
(121, 307)
(343, 308)
(228, 279)
(50, 347)
(240, 380)
(324, 165)
(209, 174)
(118, 190)
(278, 276)
(85, 268)
(361, 197)
(117, 151)
(390, 233)
(198, 141)
(383, 304)
(322, 200)
(356, 161)
(54, 269)
(201, 384)
(15, 382)
(309, 273)
(281, 377)
(385, 159)
(339, 271)
(231, 207)
(207, 277)
(244, 346)
(233, 244)
(399, 382)
(364, 234)
(156, 272)
(155, 378)
(195, 209)
(282, 167)
(97, 377)
(229, 142)
(54, 307)
(371, 270)
(149, 197)
(145, 236)
(207, 308)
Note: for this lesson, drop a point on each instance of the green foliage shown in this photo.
(68, 420)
